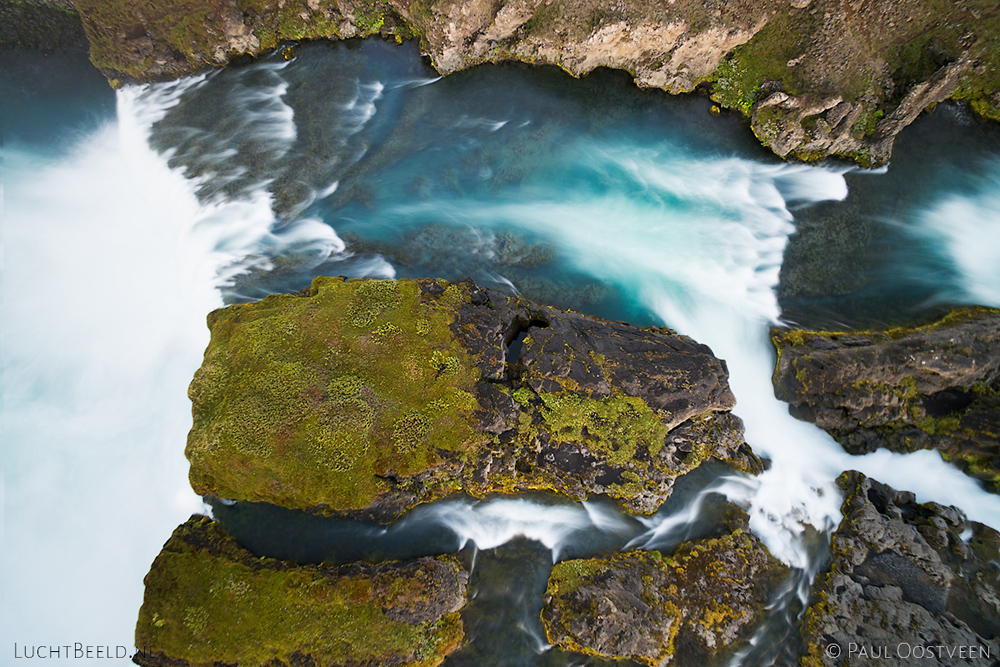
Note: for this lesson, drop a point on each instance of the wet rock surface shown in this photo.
(909, 583)
(693, 607)
(814, 77)
(936, 386)
(209, 601)
(363, 398)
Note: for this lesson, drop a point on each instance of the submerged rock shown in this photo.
(209, 602)
(936, 386)
(691, 608)
(815, 77)
(909, 584)
(363, 398)
(45, 25)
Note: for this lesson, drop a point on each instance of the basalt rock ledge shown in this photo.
(692, 607)
(909, 583)
(904, 389)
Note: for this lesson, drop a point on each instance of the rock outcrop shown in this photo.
(209, 602)
(692, 608)
(40, 24)
(936, 386)
(363, 398)
(909, 584)
(815, 77)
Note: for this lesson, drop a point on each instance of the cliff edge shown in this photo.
(815, 78)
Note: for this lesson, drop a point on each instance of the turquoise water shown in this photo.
(129, 216)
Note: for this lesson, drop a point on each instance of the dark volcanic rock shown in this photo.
(936, 386)
(691, 608)
(363, 398)
(916, 583)
(209, 601)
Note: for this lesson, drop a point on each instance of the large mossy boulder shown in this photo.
(363, 398)
(908, 584)
(211, 602)
(692, 608)
(936, 386)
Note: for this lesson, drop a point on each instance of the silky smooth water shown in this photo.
(356, 159)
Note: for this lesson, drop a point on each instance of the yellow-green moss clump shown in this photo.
(208, 601)
(620, 424)
(688, 608)
(320, 399)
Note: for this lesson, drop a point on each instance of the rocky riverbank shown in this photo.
(363, 398)
(815, 78)
(936, 386)
(906, 582)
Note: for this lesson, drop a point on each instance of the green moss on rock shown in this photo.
(40, 24)
(315, 400)
(208, 601)
(906, 388)
(617, 426)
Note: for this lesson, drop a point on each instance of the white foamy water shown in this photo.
(489, 524)
(111, 265)
(964, 229)
(662, 527)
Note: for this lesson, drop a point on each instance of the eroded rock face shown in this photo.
(904, 389)
(905, 577)
(363, 398)
(685, 609)
(815, 77)
(209, 601)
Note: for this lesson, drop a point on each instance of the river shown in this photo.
(129, 215)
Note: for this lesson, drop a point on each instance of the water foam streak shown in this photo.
(964, 229)
(496, 522)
